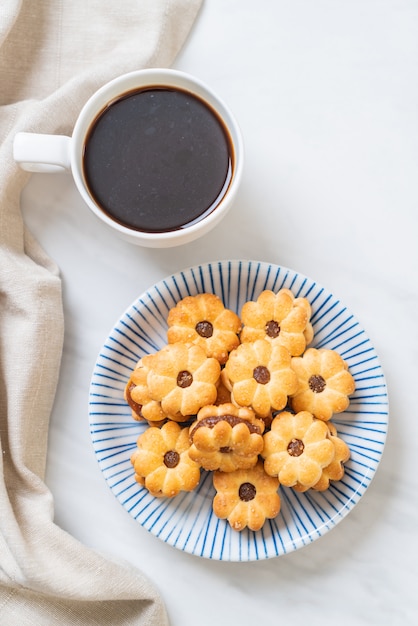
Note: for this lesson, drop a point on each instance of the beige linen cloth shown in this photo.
(53, 55)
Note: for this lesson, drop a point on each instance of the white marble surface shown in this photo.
(326, 94)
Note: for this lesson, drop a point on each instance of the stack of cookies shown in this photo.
(244, 397)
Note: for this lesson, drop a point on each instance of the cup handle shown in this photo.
(42, 153)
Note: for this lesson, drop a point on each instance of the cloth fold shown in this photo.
(53, 56)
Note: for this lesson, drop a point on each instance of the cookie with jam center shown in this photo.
(259, 376)
(297, 449)
(161, 461)
(182, 378)
(204, 320)
(246, 497)
(324, 383)
(279, 318)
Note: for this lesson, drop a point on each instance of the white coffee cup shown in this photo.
(53, 153)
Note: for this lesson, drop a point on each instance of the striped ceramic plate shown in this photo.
(187, 521)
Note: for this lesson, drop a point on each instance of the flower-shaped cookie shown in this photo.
(204, 320)
(279, 318)
(162, 463)
(297, 448)
(137, 396)
(246, 498)
(260, 376)
(226, 438)
(324, 383)
(182, 379)
(335, 470)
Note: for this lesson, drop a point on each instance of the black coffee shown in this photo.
(157, 159)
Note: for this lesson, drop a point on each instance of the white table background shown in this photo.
(326, 93)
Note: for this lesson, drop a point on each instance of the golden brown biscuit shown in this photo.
(137, 396)
(246, 498)
(335, 470)
(324, 383)
(204, 320)
(279, 318)
(182, 379)
(259, 376)
(226, 438)
(162, 463)
(297, 448)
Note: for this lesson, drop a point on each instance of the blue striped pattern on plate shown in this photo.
(187, 522)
